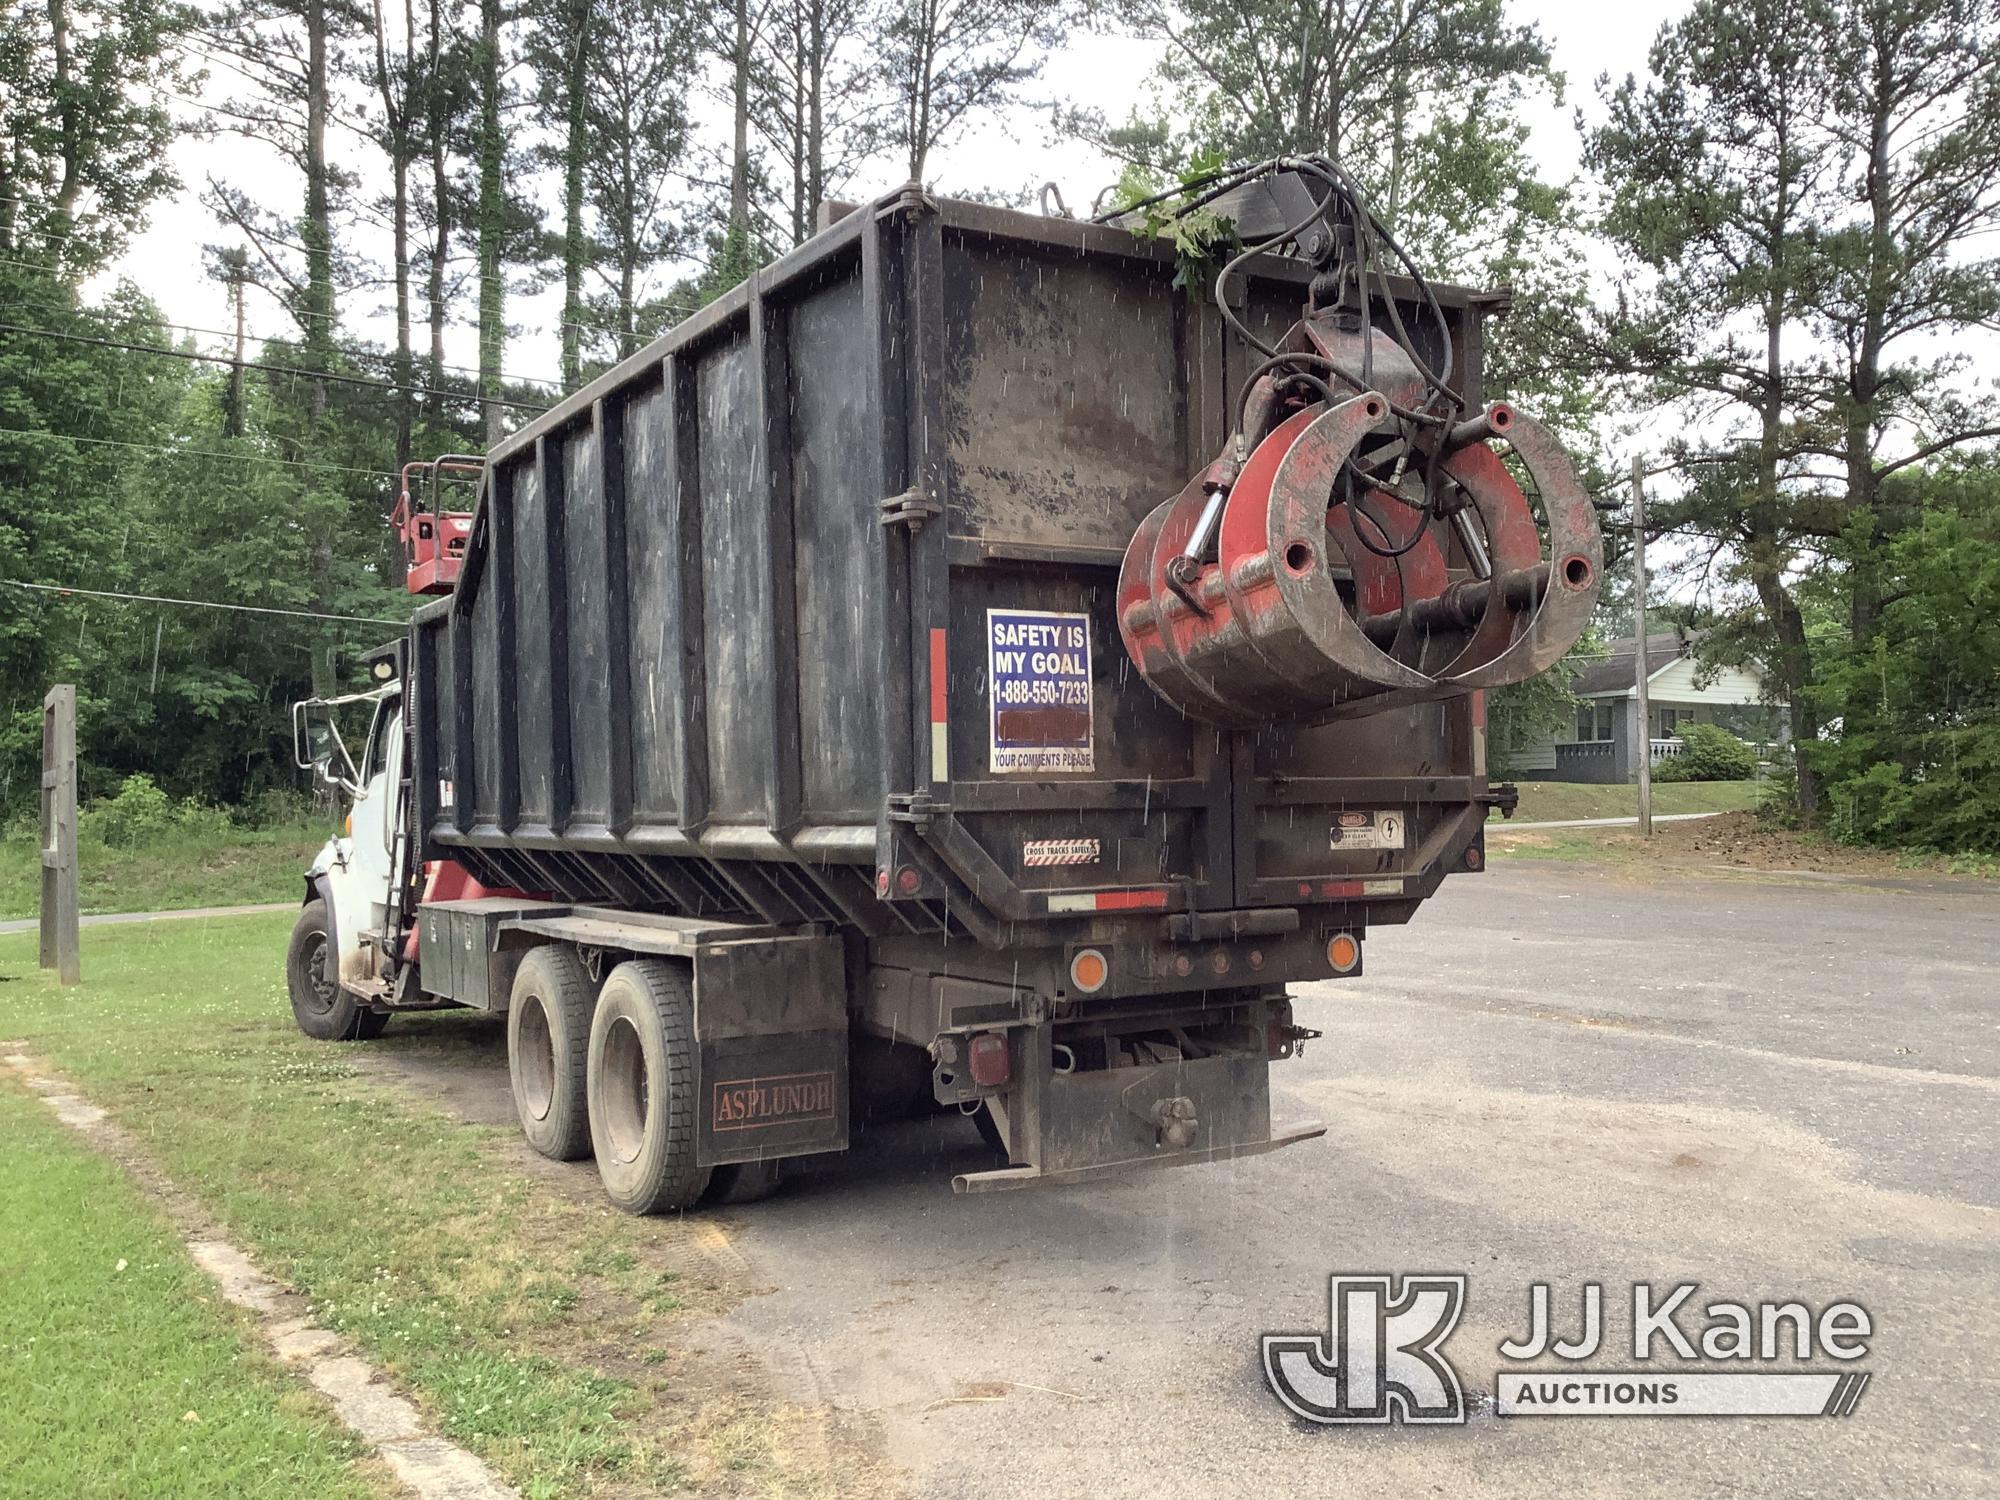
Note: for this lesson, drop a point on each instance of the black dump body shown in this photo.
(732, 618)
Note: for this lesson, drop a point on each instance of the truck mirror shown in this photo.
(318, 747)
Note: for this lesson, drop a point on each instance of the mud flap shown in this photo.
(1075, 1126)
(770, 1016)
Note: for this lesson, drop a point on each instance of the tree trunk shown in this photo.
(69, 130)
(739, 164)
(10, 199)
(396, 120)
(918, 113)
(1792, 664)
(576, 146)
(815, 112)
(1865, 381)
(316, 233)
(232, 416)
(438, 128)
(492, 220)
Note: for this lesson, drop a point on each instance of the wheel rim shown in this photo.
(535, 1058)
(626, 1101)
(318, 995)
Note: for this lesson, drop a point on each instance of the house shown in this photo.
(1599, 744)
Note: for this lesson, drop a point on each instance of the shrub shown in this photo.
(1673, 768)
(1712, 753)
(1778, 796)
(139, 814)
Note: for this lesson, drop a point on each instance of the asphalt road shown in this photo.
(1781, 1091)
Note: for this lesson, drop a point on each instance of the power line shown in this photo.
(251, 336)
(294, 370)
(167, 450)
(248, 609)
(682, 310)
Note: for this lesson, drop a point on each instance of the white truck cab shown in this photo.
(334, 967)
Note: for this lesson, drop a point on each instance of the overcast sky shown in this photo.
(1011, 152)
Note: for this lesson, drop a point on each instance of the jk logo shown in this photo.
(1381, 1360)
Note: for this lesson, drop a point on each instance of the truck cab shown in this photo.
(335, 968)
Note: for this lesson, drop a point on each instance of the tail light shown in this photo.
(987, 1059)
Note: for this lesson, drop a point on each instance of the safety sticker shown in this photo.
(1039, 668)
(1368, 830)
(1040, 853)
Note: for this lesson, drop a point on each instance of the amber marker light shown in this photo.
(1343, 953)
(1088, 971)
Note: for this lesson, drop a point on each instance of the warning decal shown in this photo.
(1041, 853)
(1039, 668)
(1368, 830)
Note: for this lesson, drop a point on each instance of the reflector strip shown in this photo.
(1341, 890)
(940, 741)
(1108, 901)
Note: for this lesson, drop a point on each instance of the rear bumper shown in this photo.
(1002, 1178)
(1074, 1126)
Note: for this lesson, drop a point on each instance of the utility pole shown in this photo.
(1645, 736)
(60, 949)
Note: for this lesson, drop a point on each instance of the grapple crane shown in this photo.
(1359, 543)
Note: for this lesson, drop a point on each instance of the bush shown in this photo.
(143, 814)
(1949, 805)
(1778, 796)
(140, 814)
(1709, 753)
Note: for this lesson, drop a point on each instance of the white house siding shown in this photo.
(1538, 757)
(1678, 683)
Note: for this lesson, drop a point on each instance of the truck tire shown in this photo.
(742, 1182)
(548, 1040)
(640, 1081)
(324, 1011)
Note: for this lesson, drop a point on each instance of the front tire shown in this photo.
(641, 1073)
(548, 1037)
(324, 1011)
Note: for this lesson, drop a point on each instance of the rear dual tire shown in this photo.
(642, 1072)
(612, 1069)
(548, 1037)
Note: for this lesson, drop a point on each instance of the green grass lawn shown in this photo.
(533, 1322)
(233, 869)
(1556, 801)
(121, 1373)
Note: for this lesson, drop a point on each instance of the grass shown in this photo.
(1558, 801)
(516, 1305)
(1737, 841)
(236, 868)
(121, 1374)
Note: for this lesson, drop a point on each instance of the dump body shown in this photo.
(805, 615)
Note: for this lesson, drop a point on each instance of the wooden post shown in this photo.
(61, 949)
(1639, 663)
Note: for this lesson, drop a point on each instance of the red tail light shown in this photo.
(988, 1059)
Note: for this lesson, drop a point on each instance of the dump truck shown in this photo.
(966, 667)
